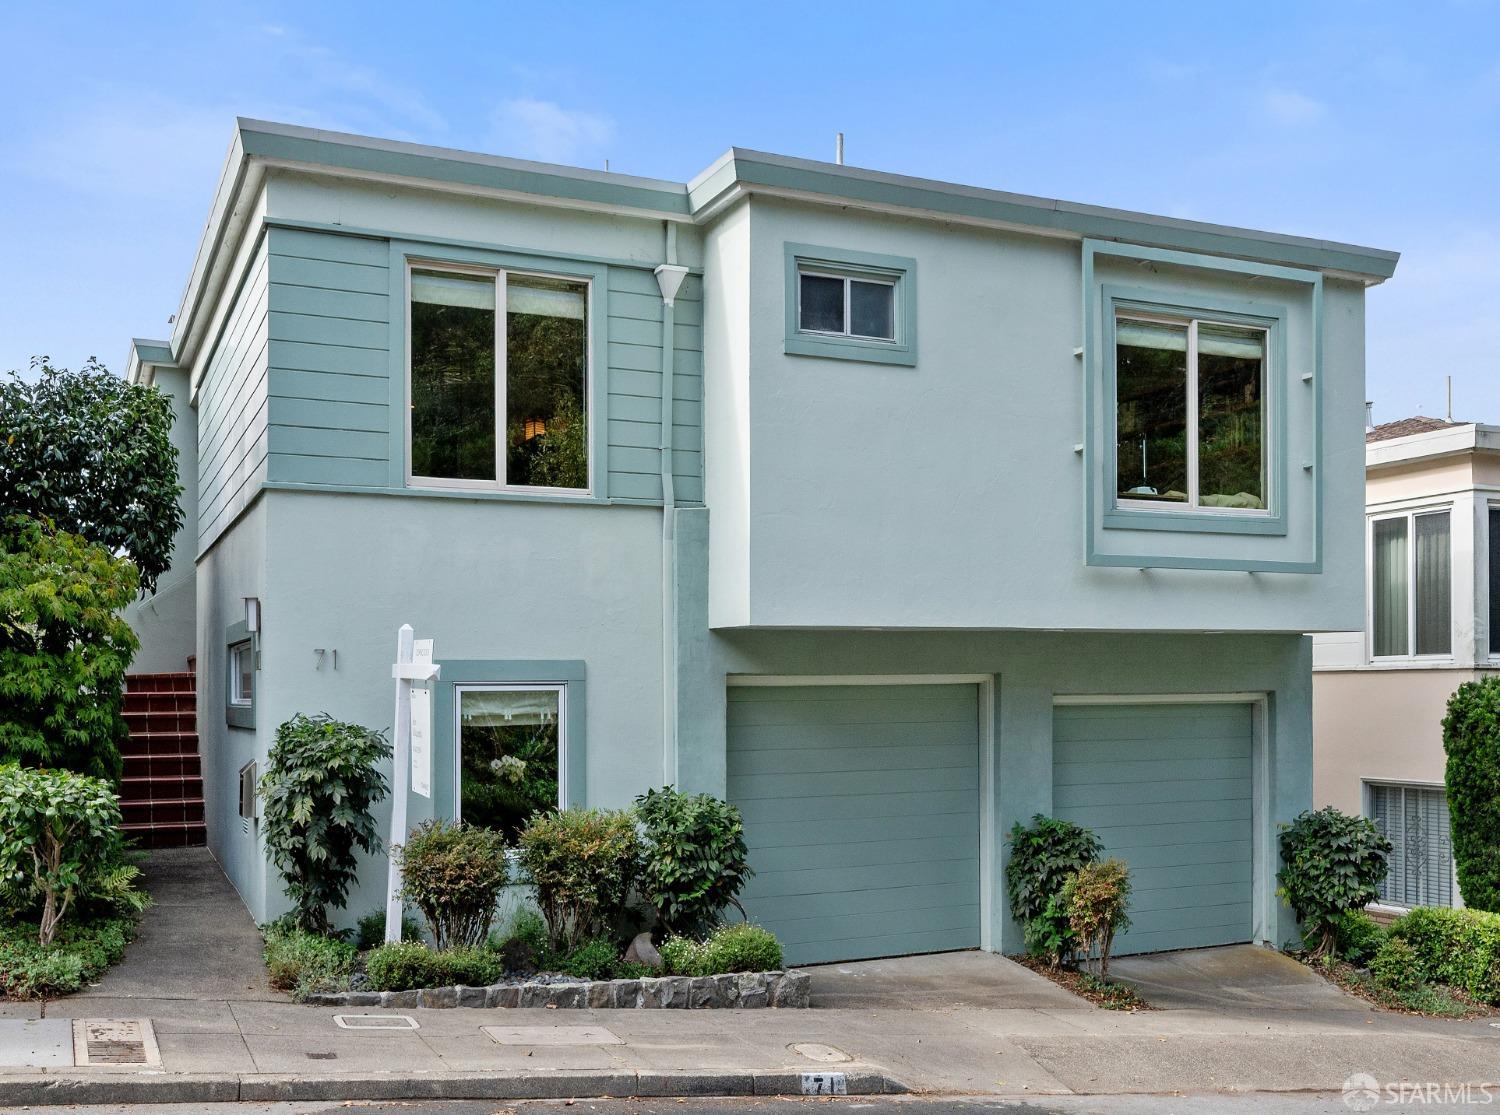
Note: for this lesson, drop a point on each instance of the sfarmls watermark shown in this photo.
(1362, 1092)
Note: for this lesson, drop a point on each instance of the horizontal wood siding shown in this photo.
(330, 330)
(232, 408)
(861, 808)
(1168, 789)
(329, 397)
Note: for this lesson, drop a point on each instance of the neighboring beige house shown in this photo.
(1432, 601)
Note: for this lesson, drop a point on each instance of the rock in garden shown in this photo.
(642, 951)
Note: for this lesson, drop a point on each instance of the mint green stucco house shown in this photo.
(893, 510)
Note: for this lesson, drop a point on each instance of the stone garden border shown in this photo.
(739, 990)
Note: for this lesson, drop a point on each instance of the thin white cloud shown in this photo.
(321, 66)
(1289, 107)
(545, 130)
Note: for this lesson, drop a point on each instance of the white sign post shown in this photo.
(408, 672)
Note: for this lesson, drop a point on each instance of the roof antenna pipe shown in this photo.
(1450, 398)
(1369, 414)
(838, 149)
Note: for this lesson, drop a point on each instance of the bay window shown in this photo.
(498, 400)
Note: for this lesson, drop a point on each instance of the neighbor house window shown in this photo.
(498, 402)
(1411, 583)
(1420, 866)
(242, 675)
(844, 306)
(510, 750)
(1494, 578)
(1190, 413)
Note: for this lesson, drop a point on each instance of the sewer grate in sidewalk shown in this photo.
(114, 1041)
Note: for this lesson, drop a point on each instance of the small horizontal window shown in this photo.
(242, 675)
(843, 306)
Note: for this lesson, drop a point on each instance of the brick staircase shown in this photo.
(161, 795)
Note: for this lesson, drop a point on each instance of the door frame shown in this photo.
(1262, 852)
(988, 685)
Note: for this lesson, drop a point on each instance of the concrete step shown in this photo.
(164, 764)
(160, 702)
(167, 834)
(161, 683)
(160, 743)
(159, 811)
(160, 788)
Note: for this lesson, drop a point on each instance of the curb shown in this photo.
(118, 1088)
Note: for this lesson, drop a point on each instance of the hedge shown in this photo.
(1460, 948)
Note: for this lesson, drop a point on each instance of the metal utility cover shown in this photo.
(36, 1043)
(375, 1022)
(551, 1035)
(114, 1041)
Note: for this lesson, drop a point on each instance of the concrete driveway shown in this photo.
(981, 980)
(1232, 978)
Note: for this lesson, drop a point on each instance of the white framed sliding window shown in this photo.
(1411, 585)
(498, 400)
(511, 744)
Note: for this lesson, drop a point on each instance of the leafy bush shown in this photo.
(1356, 935)
(64, 649)
(523, 948)
(582, 862)
(1334, 863)
(1394, 967)
(1460, 948)
(1471, 736)
(694, 859)
(741, 947)
(472, 967)
(1042, 857)
(303, 962)
(78, 955)
(59, 833)
(319, 784)
(93, 454)
(403, 966)
(453, 874)
(1096, 896)
(370, 930)
(597, 958)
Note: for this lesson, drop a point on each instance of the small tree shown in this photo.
(93, 454)
(583, 862)
(319, 785)
(1334, 863)
(1471, 736)
(453, 874)
(59, 833)
(1095, 897)
(64, 649)
(694, 859)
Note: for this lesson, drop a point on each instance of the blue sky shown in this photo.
(1369, 122)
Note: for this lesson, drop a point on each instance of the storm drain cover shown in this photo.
(114, 1041)
(375, 1022)
(552, 1035)
(817, 1051)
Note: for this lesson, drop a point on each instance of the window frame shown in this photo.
(240, 714)
(1491, 569)
(1139, 304)
(897, 272)
(1410, 516)
(500, 274)
(558, 687)
(1367, 808)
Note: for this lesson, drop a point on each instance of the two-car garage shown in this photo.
(862, 813)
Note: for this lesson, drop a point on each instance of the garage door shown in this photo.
(1167, 788)
(861, 808)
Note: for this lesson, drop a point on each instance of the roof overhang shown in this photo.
(1454, 441)
(145, 358)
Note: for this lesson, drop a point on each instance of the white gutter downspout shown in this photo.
(669, 278)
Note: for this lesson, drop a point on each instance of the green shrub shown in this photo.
(523, 947)
(470, 966)
(1334, 863)
(1471, 736)
(303, 962)
(1357, 937)
(679, 956)
(1394, 967)
(1460, 948)
(740, 948)
(453, 874)
(582, 862)
(59, 835)
(320, 782)
(1096, 896)
(78, 955)
(594, 959)
(64, 649)
(370, 930)
(92, 453)
(693, 860)
(403, 966)
(1042, 857)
